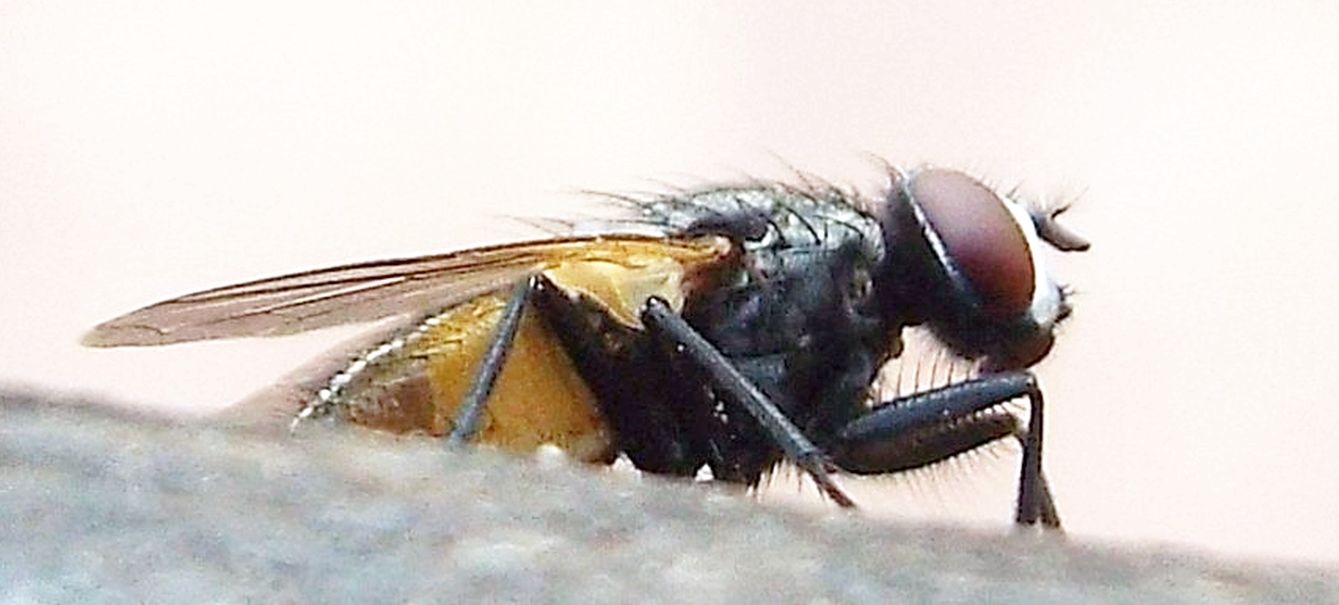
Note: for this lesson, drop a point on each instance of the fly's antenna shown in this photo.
(1052, 232)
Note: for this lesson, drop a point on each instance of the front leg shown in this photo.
(929, 427)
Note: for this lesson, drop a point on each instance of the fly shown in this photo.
(746, 330)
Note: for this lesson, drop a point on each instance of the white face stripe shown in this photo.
(1045, 307)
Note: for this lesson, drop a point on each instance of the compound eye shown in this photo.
(980, 238)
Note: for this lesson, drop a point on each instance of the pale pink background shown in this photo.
(148, 149)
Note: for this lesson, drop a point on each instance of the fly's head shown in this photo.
(967, 262)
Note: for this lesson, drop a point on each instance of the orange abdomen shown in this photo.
(539, 396)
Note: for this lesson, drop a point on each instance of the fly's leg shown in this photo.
(660, 426)
(668, 325)
(928, 427)
(471, 408)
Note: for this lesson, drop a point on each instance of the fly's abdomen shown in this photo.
(539, 397)
(416, 380)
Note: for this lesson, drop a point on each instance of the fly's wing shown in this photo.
(369, 291)
(615, 270)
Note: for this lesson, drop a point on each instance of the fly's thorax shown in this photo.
(783, 232)
(415, 381)
(968, 262)
(771, 218)
(799, 315)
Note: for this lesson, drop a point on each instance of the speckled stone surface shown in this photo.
(106, 506)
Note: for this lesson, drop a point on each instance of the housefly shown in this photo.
(731, 328)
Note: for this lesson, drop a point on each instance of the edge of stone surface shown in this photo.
(106, 500)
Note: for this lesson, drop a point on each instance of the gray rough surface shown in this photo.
(107, 506)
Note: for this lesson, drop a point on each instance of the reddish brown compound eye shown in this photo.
(980, 238)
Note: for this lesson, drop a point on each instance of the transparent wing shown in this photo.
(368, 291)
